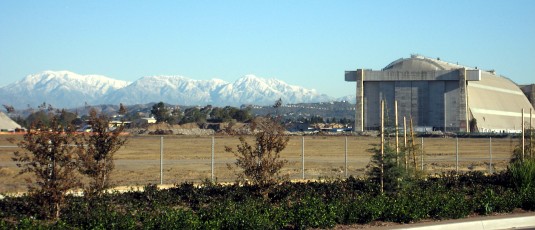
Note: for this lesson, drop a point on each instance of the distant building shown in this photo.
(529, 91)
(438, 94)
(7, 124)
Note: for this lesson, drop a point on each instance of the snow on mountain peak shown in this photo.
(69, 89)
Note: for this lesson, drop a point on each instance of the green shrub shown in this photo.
(496, 200)
(523, 174)
(248, 214)
(449, 205)
(363, 209)
(173, 219)
(312, 212)
(528, 199)
(404, 208)
(84, 215)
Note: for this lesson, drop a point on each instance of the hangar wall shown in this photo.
(425, 96)
(438, 94)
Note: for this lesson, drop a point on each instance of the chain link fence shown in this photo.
(176, 159)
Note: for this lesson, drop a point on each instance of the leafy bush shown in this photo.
(289, 205)
(249, 214)
(173, 219)
(523, 174)
(312, 212)
(363, 209)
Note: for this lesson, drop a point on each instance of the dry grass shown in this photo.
(187, 158)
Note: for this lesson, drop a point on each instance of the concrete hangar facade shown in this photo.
(438, 95)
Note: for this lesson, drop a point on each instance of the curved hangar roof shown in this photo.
(496, 104)
(417, 62)
(494, 101)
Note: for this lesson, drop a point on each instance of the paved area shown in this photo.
(508, 221)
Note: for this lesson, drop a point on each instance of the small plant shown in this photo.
(386, 167)
(260, 162)
(523, 174)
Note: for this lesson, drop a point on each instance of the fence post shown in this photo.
(161, 160)
(345, 158)
(213, 156)
(457, 154)
(303, 157)
(490, 155)
(422, 142)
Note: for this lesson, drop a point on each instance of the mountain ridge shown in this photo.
(66, 89)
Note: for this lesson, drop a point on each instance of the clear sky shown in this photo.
(308, 43)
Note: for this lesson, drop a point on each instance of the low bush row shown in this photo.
(285, 206)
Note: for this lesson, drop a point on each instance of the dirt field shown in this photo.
(188, 158)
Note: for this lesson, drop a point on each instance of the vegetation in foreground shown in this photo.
(394, 191)
(286, 206)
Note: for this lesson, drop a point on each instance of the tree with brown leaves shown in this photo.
(50, 155)
(261, 162)
(96, 155)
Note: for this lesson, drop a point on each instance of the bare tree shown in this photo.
(260, 162)
(51, 157)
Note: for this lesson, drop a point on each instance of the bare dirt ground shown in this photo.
(188, 158)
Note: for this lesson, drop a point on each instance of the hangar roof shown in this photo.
(417, 62)
(496, 103)
(7, 123)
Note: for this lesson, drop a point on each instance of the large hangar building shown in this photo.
(438, 95)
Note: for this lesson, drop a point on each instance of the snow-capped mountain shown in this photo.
(64, 89)
(254, 90)
(169, 89)
(60, 89)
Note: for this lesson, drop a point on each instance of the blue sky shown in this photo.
(307, 43)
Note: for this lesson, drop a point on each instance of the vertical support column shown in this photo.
(463, 102)
(359, 110)
(445, 113)
(161, 160)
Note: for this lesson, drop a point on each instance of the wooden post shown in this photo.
(523, 141)
(396, 130)
(530, 133)
(382, 142)
(405, 142)
(413, 147)
(404, 132)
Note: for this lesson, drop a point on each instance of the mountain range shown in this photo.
(65, 89)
